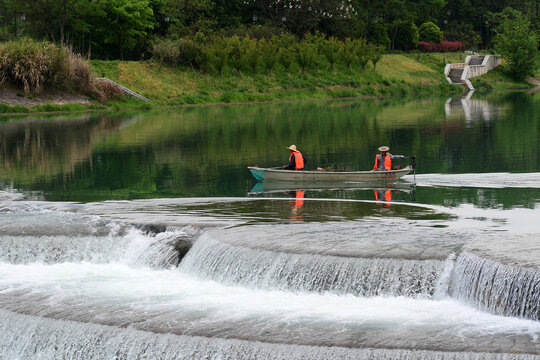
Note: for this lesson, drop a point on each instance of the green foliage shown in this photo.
(306, 54)
(166, 51)
(330, 50)
(378, 34)
(362, 51)
(406, 36)
(188, 17)
(251, 53)
(348, 54)
(517, 42)
(269, 53)
(375, 54)
(123, 21)
(465, 33)
(429, 32)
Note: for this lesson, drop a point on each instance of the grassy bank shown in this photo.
(499, 80)
(394, 75)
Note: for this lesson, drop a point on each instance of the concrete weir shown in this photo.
(474, 65)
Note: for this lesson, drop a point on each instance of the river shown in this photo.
(142, 235)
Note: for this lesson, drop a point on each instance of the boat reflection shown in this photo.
(275, 187)
(383, 194)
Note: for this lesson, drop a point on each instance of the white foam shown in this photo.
(168, 299)
(479, 180)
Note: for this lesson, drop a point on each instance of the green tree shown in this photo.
(189, 17)
(301, 16)
(122, 22)
(405, 35)
(517, 42)
(330, 51)
(430, 32)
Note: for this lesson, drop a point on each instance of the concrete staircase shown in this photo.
(125, 90)
(477, 60)
(455, 75)
(474, 65)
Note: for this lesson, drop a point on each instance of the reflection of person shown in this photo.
(383, 161)
(296, 160)
(385, 195)
(296, 205)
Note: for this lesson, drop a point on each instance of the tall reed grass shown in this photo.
(39, 65)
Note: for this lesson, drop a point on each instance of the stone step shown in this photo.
(455, 75)
(476, 60)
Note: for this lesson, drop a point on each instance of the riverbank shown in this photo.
(394, 75)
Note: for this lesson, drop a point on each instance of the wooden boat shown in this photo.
(276, 174)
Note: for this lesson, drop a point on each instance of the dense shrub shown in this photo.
(216, 53)
(429, 32)
(306, 54)
(347, 52)
(269, 53)
(362, 50)
(166, 51)
(463, 32)
(330, 50)
(34, 65)
(378, 34)
(443, 46)
(406, 36)
(107, 91)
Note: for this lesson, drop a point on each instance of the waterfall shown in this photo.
(129, 246)
(30, 337)
(497, 288)
(231, 264)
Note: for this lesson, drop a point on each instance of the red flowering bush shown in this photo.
(443, 46)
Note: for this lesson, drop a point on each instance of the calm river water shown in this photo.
(142, 235)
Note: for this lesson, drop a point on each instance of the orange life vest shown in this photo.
(298, 160)
(387, 162)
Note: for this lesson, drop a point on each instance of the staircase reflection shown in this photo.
(471, 109)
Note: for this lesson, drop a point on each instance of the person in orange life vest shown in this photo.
(296, 160)
(383, 161)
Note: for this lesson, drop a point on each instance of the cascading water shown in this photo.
(25, 337)
(498, 288)
(78, 239)
(84, 284)
(229, 264)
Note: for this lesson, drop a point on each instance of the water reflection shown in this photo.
(297, 201)
(472, 109)
(202, 152)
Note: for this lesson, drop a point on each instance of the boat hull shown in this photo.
(263, 174)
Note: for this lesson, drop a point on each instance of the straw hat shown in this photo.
(384, 148)
(292, 147)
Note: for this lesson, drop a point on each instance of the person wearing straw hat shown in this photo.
(383, 161)
(296, 160)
